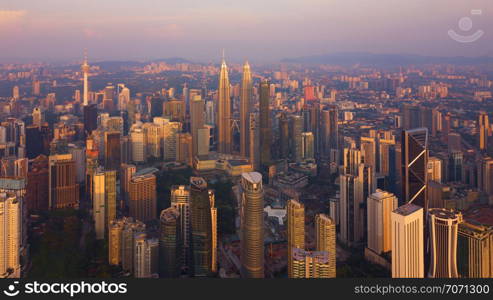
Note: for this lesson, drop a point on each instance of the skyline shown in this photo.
(259, 32)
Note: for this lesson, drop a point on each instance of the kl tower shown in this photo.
(85, 71)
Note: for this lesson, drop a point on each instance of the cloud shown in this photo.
(7, 16)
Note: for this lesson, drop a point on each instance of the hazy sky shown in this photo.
(260, 30)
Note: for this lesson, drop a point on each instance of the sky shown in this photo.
(258, 30)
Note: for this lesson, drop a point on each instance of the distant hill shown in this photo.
(386, 59)
(116, 65)
(172, 60)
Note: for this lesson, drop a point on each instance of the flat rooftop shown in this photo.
(407, 209)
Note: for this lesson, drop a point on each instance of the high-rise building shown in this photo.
(16, 92)
(184, 149)
(115, 242)
(36, 87)
(146, 256)
(254, 142)
(329, 130)
(112, 152)
(475, 251)
(443, 226)
(129, 233)
(296, 230)
(325, 239)
(137, 138)
(197, 121)
(37, 115)
(407, 241)
(201, 227)
(483, 128)
(98, 204)
(169, 242)
(34, 141)
(369, 151)
(434, 169)
(283, 135)
(180, 200)
(110, 197)
(121, 242)
(126, 173)
(414, 166)
(90, 118)
(37, 184)
(354, 190)
(265, 124)
(380, 206)
(63, 187)
(153, 139)
(212, 202)
(295, 137)
(307, 146)
(411, 116)
(252, 225)
(310, 264)
(224, 111)
(246, 95)
(10, 236)
(142, 200)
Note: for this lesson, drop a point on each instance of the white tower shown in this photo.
(85, 70)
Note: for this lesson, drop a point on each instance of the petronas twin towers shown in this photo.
(224, 110)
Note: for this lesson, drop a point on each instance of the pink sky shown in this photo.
(258, 29)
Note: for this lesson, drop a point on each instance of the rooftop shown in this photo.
(407, 209)
(253, 177)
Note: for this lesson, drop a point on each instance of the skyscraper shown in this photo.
(10, 235)
(146, 256)
(246, 94)
(126, 173)
(37, 184)
(224, 111)
(201, 225)
(283, 135)
(265, 124)
(180, 200)
(295, 137)
(443, 226)
(414, 166)
(98, 204)
(142, 200)
(197, 121)
(475, 251)
(483, 128)
(90, 118)
(296, 230)
(407, 242)
(311, 264)
(254, 143)
(307, 146)
(325, 239)
(212, 201)
(380, 206)
(112, 152)
(121, 245)
(64, 190)
(169, 242)
(252, 225)
(329, 130)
